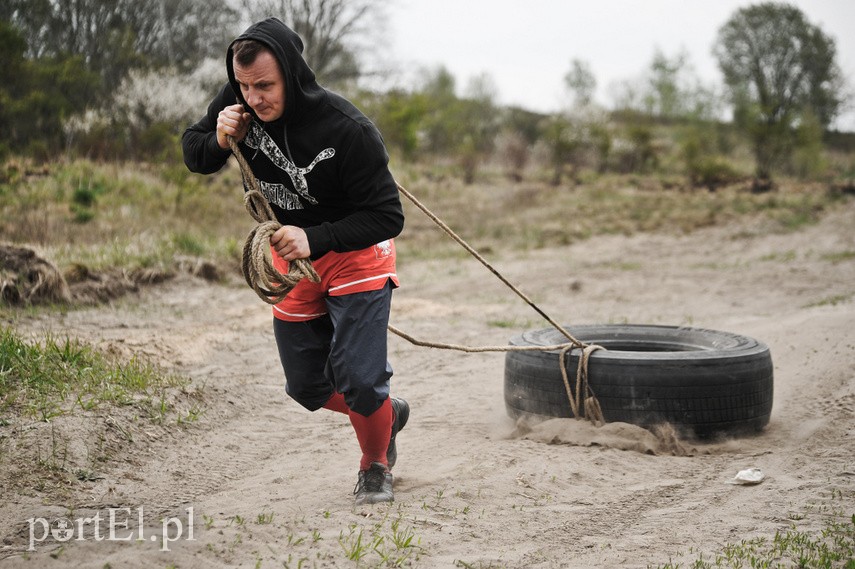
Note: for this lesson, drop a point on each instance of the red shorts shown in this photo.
(341, 274)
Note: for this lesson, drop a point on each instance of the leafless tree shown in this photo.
(336, 34)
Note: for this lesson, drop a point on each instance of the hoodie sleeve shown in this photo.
(202, 154)
(373, 194)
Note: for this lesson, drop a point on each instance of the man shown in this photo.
(324, 169)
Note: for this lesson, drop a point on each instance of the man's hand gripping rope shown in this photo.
(269, 284)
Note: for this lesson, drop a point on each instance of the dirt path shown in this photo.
(270, 484)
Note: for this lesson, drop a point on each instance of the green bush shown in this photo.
(712, 172)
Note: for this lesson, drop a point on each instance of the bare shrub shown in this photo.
(514, 153)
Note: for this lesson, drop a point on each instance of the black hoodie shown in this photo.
(322, 166)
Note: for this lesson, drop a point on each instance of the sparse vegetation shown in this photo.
(45, 379)
(829, 546)
(494, 213)
(50, 387)
(143, 217)
(121, 215)
(381, 546)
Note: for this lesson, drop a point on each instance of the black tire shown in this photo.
(703, 382)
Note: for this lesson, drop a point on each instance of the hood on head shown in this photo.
(302, 92)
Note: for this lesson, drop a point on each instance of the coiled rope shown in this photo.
(269, 284)
(272, 287)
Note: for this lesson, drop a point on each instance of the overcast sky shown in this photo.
(526, 46)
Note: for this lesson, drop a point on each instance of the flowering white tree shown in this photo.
(166, 96)
(145, 98)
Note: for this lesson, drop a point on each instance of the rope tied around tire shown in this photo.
(272, 287)
(589, 407)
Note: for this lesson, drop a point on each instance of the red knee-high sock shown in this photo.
(373, 433)
(336, 403)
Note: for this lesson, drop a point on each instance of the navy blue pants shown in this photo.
(343, 351)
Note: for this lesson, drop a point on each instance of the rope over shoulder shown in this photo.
(269, 284)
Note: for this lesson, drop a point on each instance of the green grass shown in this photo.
(830, 301)
(830, 547)
(54, 377)
(382, 540)
(381, 545)
(839, 256)
(780, 257)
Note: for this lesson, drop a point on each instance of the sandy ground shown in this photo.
(270, 484)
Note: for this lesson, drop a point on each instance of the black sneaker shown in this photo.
(400, 414)
(374, 485)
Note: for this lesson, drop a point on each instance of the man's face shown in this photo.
(262, 86)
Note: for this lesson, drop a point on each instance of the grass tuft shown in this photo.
(45, 379)
(831, 547)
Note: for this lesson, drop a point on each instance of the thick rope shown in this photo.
(490, 267)
(588, 408)
(271, 286)
(582, 408)
(477, 349)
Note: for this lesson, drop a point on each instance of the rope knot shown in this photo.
(583, 402)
